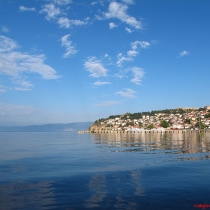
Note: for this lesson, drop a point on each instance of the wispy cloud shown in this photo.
(128, 1)
(142, 44)
(129, 93)
(27, 9)
(98, 83)
(3, 89)
(70, 50)
(128, 30)
(22, 89)
(119, 11)
(64, 22)
(133, 52)
(51, 11)
(112, 25)
(7, 44)
(138, 74)
(4, 29)
(121, 58)
(62, 2)
(95, 67)
(107, 103)
(17, 64)
(183, 53)
(101, 2)
(55, 11)
(12, 110)
(24, 85)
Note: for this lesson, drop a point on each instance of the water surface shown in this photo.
(64, 170)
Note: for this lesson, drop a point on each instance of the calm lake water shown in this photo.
(62, 170)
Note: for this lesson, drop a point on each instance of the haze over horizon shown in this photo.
(64, 61)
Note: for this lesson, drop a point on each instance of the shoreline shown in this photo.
(146, 131)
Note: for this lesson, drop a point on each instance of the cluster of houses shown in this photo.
(190, 118)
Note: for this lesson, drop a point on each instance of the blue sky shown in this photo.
(65, 61)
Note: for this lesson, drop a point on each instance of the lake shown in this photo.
(65, 170)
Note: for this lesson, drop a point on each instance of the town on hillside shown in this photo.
(169, 119)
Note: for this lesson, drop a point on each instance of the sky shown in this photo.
(64, 61)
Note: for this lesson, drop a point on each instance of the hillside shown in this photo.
(70, 127)
(186, 118)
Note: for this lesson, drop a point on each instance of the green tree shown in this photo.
(140, 125)
(151, 126)
(188, 121)
(127, 123)
(207, 115)
(164, 124)
(200, 125)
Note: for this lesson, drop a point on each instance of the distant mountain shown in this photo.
(70, 127)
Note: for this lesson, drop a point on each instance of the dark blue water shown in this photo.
(104, 171)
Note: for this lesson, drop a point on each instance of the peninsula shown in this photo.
(168, 119)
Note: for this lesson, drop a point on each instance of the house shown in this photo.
(207, 108)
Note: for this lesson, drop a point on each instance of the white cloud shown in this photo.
(118, 10)
(62, 2)
(128, 30)
(101, 83)
(12, 110)
(2, 89)
(183, 53)
(101, 2)
(112, 25)
(133, 52)
(7, 44)
(107, 103)
(55, 11)
(142, 44)
(94, 3)
(4, 29)
(51, 11)
(29, 9)
(128, 1)
(121, 59)
(98, 17)
(78, 22)
(22, 89)
(121, 74)
(138, 74)
(70, 50)
(129, 93)
(17, 64)
(66, 23)
(95, 67)
(26, 84)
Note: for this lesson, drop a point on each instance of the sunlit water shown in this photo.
(64, 170)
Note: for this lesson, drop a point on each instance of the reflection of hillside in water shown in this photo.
(101, 186)
(178, 142)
